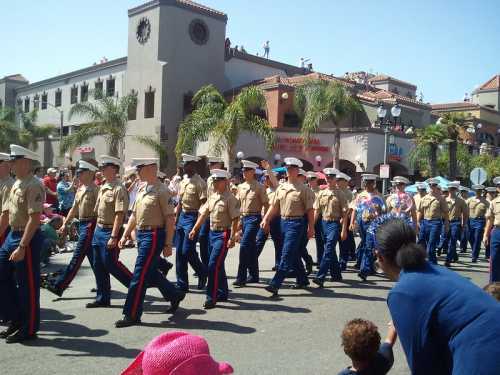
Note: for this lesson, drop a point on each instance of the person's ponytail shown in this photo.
(410, 256)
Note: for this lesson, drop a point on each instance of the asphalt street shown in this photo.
(299, 333)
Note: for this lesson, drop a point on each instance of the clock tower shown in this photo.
(174, 48)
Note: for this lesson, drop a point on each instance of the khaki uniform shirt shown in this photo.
(85, 201)
(349, 196)
(293, 200)
(191, 192)
(493, 212)
(210, 186)
(112, 199)
(432, 207)
(477, 207)
(222, 208)
(331, 204)
(417, 198)
(252, 197)
(154, 203)
(456, 208)
(5, 186)
(26, 198)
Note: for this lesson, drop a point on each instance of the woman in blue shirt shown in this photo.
(65, 193)
(446, 324)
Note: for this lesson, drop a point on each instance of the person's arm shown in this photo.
(273, 210)
(392, 335)
(71, 215)
(170, 230)
(29, 231)
(199, 222)
(128, 230)
(413, 211)
(115, 232)
(487, 229)
(310, 223)
(4, 222)
(272, 178)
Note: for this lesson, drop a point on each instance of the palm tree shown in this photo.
(157, 147)
(221, 122)
(454, 123)
(108, 117)
(425, 152)
(9, 132)
(30, 133)
(319, 101)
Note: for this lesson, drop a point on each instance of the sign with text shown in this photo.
(296, 144)
(384, 171)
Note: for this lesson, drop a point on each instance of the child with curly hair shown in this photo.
(361, 342)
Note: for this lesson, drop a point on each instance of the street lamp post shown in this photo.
(381, 113)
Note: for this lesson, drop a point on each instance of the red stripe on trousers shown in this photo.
(83, 252)
(217, 266)
(32, 292)
(144, 272)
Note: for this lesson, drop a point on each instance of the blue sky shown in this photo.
(446, 48)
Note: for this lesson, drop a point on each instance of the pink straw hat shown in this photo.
(177, 353)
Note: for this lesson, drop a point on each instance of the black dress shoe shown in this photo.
(362, 276)
(208, 305)
(274, 268)
(318, 282)
(127, 322)
(11, 329)
(174, 305)
(20, 337)
(93, 290)
(202, 281)
(253, 280)
(447, 264)
(271, 289)
(309, 268)
(222, 299)
(96, 305)
(51, 288)
(337, 278)
(239, 284)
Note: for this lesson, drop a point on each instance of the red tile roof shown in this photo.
(492, 84)
(15, 77)
(384, 77)
(202, 7)
(456, 105)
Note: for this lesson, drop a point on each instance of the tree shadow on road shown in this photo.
(57, 332)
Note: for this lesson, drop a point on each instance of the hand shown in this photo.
(238, 236)
(231, 243)
(343, 235)
(62, 231)
(310, 232)
(486, 240)
(122, 242)
(167, 250)
(192, 234)
(112, 243)
(352, 227)
(265, 226)
(265, 164)
(17, 255)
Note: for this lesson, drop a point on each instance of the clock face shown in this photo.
(143, 30)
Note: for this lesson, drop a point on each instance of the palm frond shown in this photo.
(83, 135)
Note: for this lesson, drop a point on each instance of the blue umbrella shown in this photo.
(279, 170)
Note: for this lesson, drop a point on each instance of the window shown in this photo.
(19, 105)
(1, 104)
(58, 98)
(110, 87)
(98, 90)
(291, 120)
(74, 95)
(26, 105)
(84, 93)
(36, 102)
(149, 104)
(65, 130)
(44, 100)
(132, 108)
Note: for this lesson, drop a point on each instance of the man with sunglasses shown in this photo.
(153, 214)
(84, 209)
(111, 206)
(293, 201)
(252, 198)
(432, 214)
